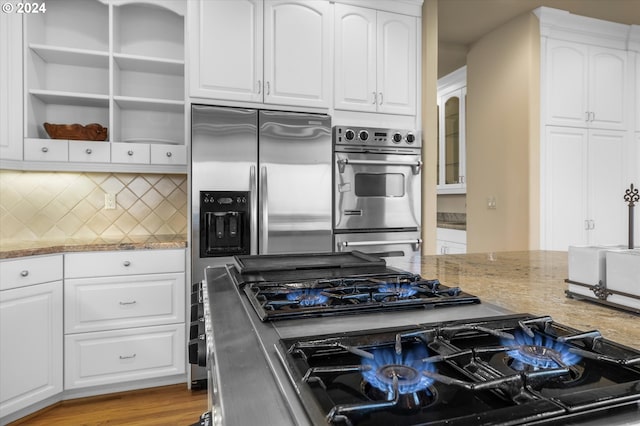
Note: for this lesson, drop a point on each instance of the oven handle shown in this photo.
(253, 219)
(415, 243)
(343, 162)
(264, 214)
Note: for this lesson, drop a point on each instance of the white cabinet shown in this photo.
(10, 86)
(586, 86)
(586, 179)
(116, 63)
(452, 100)
(451, 241)
(271, 51)
(375, 61)
(124, 316)
(30, 331)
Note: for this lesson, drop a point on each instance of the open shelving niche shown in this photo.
(113, 62)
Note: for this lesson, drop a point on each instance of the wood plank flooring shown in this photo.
(173, 405)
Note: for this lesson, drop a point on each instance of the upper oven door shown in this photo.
(376, 191)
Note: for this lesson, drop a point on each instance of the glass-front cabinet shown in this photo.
(451, 133)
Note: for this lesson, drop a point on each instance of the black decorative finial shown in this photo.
(631, 196)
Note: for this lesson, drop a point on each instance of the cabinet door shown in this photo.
(355, 58)
(606, 186)
(297, 66)
(637, 97)
(565, 209)
(452, 105)
(608, 87)
(566, 86)
(31, 342)
(225, 42)
(11, 86)
(396, 63)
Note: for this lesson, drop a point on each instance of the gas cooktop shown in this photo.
(507, 370)
(286, 286)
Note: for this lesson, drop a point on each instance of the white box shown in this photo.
(587, 264)
(623, 274)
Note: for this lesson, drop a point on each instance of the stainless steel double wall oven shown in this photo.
(377, 193)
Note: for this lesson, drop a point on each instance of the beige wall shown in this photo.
(450, 57)
(503, 137)
(52, 206)
(429, 123)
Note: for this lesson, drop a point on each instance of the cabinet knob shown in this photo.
(381, 98)
(133, 302)
(45, 149)
(267, 87)
(126, 263)
(88, 151)
(375, 98)
(24, 273)
(259, 87)
(127, 356)
(169, 154)
(130, 152)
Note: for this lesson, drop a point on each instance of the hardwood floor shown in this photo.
(173, 405)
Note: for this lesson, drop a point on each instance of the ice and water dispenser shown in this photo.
(224, 223)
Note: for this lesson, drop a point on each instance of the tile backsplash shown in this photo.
(58, 205)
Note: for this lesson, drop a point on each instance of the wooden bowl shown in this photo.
(90, 132)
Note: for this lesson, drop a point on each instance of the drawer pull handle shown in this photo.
(130, 152)
(126, 263)
(133, 302)
(169, 154)
(88, 151)
(127, 357)
(24, 273)
(45, 149)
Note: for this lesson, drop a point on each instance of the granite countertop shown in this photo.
(15, 249)
(452, 220)
(531, 282)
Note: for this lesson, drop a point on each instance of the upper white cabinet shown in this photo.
(271, 51)
(10, 86)
(587, 86)
(116, 63)
(375, 61)
(452, 95)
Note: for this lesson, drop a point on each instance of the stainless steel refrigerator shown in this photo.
(272, 168)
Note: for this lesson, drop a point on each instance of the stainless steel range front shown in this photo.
(376, 191)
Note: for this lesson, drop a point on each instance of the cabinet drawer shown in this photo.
(125, 262)
(89, 152)
(94, 304)
(125, 355)
(130, 153)
(168, 154)
(30, 270)
(46, 150)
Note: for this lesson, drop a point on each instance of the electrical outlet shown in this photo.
(110, 201)
(491, 203)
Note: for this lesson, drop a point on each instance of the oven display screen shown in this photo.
(379, 185)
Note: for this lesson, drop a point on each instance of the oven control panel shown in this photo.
(374, 136)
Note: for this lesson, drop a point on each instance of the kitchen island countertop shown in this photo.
(531, 282)
(9, 250)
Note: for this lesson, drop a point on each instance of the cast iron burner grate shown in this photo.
(510, 370)
(316, 297)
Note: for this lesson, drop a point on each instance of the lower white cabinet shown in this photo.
(30, 332)
(451, 241)
(117, 356)
(124, 316)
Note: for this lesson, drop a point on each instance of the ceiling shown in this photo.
(462, 22)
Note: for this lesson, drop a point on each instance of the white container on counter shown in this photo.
(587, 264)
(623, 274)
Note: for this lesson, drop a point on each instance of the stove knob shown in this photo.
(364, 135)
(349, 135)
(397, 137)
(411, 138)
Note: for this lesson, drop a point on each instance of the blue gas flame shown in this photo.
(308, 297)
(386, 358)
(401, 290)
(533, 350)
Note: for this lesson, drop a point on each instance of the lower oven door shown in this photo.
(376, 190)
(399, 249)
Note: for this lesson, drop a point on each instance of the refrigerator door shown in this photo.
(224, 154)
(294, 183)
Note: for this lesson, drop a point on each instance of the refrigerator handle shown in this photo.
(253, 219)
(264, 214)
